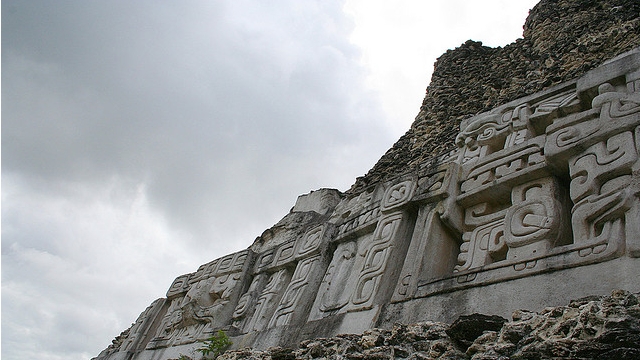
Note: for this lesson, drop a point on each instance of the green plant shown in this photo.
(182, 357)
(216, 344)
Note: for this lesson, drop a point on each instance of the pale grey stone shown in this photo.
(321, 201)
(540, 204)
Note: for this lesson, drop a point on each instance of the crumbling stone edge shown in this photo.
(595, 327)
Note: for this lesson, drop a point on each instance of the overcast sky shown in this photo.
(141, 139)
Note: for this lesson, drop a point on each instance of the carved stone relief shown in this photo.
(335, 291)
(179, 287)
(556, 192)
(375, 255)
(358, 267)
(600, 148)
(536, 221)
(276, 285)
(397, 195)
(360, 223)
(483, 242)
(140, 329)
(303, 277)
(169, 322)
(268, 301)
(436, 238)
(200, 302)
(604, 177)
(333, 296)
(515, 208)
(247, 302)
(541, 184)
(310, 242)
(349, 207)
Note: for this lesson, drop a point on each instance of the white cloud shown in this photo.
(76, 263)
(402, 39)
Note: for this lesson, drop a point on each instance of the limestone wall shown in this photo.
(538, 204)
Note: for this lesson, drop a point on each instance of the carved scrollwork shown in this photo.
(398, 195)
(615, 104)
(268, 300)
(545, 183)
(535, 221)
(310, 242)
(375, 259)
(179, 287)
(292, 295)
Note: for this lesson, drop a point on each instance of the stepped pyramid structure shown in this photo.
(518, 186)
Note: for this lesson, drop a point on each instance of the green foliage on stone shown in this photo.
(215, 345)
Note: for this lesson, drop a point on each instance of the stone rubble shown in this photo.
(598, 327)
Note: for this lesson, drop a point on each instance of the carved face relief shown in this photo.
(198, 294)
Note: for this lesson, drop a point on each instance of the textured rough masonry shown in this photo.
(562, 40)
(538, 203)
(597, 327)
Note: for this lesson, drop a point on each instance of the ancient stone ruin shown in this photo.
(528, 204)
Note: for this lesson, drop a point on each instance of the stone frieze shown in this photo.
(547, 184)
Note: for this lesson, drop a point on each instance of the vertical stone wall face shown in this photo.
(539, 203)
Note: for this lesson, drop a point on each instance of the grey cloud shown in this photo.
(141, 138)
(139, 104)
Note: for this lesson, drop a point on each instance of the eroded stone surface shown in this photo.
(599, 327)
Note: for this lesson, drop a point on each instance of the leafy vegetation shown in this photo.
(215, 345)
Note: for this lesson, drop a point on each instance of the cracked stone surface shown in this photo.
(598, 327)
